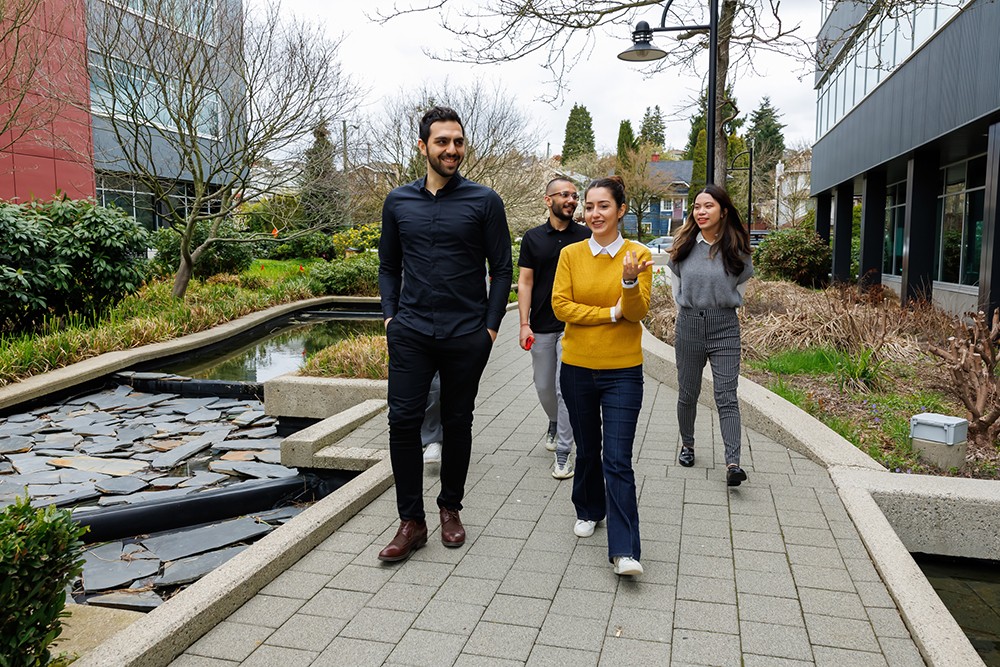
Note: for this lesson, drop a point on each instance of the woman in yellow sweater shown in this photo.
(601, 292)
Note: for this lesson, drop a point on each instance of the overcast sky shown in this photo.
(611, 89)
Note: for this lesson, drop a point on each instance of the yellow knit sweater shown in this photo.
(585, 291)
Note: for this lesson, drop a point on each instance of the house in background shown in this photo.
(791, 188)
(908, 120)
(665, 213)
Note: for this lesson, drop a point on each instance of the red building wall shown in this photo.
(55, 154)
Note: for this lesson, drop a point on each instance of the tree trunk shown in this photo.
(726, 16)
(183, 277)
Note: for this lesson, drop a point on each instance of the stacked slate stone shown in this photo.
(121, 446)
(140, 573)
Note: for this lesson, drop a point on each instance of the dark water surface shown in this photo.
(281, 351)
(970, 589)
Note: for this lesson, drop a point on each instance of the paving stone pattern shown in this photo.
(771, 574)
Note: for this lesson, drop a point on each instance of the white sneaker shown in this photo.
(627, 566)
(432, 454)
(551, 437)
(584, 528)
(564, 471)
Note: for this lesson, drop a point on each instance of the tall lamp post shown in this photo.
(642, 50)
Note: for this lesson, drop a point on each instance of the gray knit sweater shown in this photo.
(704, 282)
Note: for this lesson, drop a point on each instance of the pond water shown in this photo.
(267, 356)
(970, 589)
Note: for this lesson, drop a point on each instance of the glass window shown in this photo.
(923, 22)
(887, 41)
(973, 246)
(904, 36)
(977, 172)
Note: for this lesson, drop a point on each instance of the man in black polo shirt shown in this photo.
(538, 260)
(442, 230)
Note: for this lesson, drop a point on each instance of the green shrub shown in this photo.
(795, 253)
(315, 244)
(66, 256)
(40, 554)
(224, 257)
(352, 276)
(362, 237)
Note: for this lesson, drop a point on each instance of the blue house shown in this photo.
(667, 213)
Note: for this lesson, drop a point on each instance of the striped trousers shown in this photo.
(712, 334)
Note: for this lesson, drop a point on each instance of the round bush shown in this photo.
(362, 237)
(352, 276)
(797, 254)
(308, 246)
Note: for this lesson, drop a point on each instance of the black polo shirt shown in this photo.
(540, 248)
(443, 244)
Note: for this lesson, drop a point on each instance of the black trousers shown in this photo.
(413, 360)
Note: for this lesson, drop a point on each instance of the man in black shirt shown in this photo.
(538, 260)
(441, 231)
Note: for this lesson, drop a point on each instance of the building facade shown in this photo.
(111, 119)
(908, 123)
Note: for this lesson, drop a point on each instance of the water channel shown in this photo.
(174, 466)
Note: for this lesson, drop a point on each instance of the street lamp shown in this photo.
(642, 50)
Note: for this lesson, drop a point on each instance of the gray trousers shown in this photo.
(546, 360)
(712, 334)
(430, 430)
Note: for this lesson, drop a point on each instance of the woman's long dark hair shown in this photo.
(734, 241)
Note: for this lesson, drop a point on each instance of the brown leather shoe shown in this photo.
(452, 530)
(412, 535)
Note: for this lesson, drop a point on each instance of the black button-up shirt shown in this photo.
(443, 243)
(540, 248)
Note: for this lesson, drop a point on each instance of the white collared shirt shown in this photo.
(611, 249)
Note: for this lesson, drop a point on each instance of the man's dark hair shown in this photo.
(435, 115)
(558, 179)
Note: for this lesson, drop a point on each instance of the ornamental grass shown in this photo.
(365, 357)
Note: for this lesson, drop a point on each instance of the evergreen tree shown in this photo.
(765, 132)
(737, 183)
(322, 193)
(700, 118)
(653, 129)
(700, 151)
(626, 146)
(579, 134)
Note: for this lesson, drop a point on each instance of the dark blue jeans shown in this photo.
(413, 360)
(604, 484)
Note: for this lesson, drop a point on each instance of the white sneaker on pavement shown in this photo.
(562, 470)
(584, 528)
(432, 453)
(626, 566)
(551, 436)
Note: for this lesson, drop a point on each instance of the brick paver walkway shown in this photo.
(770, 574)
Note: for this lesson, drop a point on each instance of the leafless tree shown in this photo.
(562, 32)
(190, 97)
(501, 140)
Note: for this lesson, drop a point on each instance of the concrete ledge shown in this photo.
(96, 367)
(948, 516)
(318, 398)
(299, 449)
(938, 636)
(167, 631)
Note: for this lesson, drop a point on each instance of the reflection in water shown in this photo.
(278, 353)
(970, 589)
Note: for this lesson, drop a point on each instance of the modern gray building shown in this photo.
(908, 124)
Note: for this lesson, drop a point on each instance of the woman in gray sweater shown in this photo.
(709, 265)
